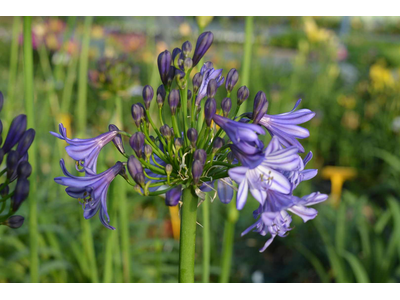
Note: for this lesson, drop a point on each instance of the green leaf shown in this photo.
(357, 267)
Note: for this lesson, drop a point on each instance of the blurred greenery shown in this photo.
(345, 69)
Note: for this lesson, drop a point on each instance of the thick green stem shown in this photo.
(206, 239)
(227, 246)
(30, 112)
(247, 56)
(188, 236)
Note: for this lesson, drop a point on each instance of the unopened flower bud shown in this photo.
(187, 64)
(242, 94)
(192, 136)
(231, 80)
(137, 113)
(147, 95)
(137, 142)
(197, 80)
(161, 93)
(173, 100)
(168, 169)
(226, 106)
(189, 95)
(24, 169)
(166, 131)
(186, 48)
(148, 151)
(173, 196)
(197, 171)
(212, 88)
(164, 64)
(230, 157)
(12, 163)
(260, 107)
(135, 169)
(171, 76)
(202, 45)
(200, 155)
(217, 144)
(178, 143)
(15, 132)
(21, 192)
(177, 58)
(210, 109)
(14, 222)
(118, 139)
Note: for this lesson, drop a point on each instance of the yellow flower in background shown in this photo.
(351, 120)
(381, 78)
(97, 32)
(316, 34)
(348, 102)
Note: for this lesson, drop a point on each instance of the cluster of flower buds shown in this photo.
(191, 152)
(14, 188)
(112, 74)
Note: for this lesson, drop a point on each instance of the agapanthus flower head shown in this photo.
(85, 151)
(91, 190)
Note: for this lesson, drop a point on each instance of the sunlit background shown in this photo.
(346, 69)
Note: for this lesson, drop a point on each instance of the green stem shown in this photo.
(184, 110)
(248, 43)
(30, 112)
(227, 248)
(188, 236)
(206, 239)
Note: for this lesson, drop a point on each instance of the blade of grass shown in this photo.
(358, 269)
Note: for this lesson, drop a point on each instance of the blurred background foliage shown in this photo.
(346, 69)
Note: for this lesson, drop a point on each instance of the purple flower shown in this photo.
(208, 73)
(203, 43)
(303, 211)
(92, 189)
(173, 196)
(85, 151)
(225, 190)
(299, 175)
(284, 126)
(265, 177)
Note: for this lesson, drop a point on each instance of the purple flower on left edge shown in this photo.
(85, 151)
(284, 126)
(91, 189)
(208, 73)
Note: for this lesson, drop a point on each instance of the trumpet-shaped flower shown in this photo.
(91, 189)
(85, 151)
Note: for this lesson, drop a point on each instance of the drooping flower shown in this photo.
(284, 126)
(91, 189)
(85, 151)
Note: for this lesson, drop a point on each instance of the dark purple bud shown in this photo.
(25, 142)
(230, 157)
(260, 107)
(4, 190)
(192, 136)
(173, 196)
(24, 169)
(161, 93)
(200, 155)
(168, 169)
(225, 190)
(178, 143)
(1, 101)
(242, 94)
(166, 131)
(148, 151)
(197, 80)
(186, 48)
(21, 192)
(14, 222)
(137, 113)
(212, 88)
(171, 76)
(231, 80)
(210, 109)
(137, 142)
(187, 64)
(189, 95)
(226, 106)
(217, 144)
(173, 101)
(197, 171)
(1, 155)
(136, 170)
(118, 139)
(15, 132)
(147, 94)
(177, 58)
(164, 64)
(12, 163)
(202, 45)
